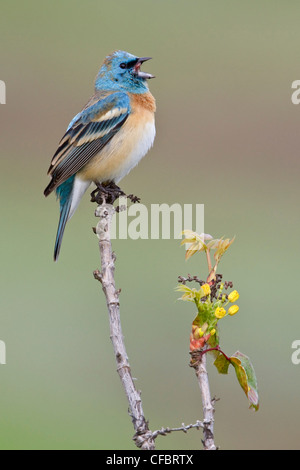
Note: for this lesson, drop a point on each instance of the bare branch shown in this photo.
(143, 436)
(184, 428)
(198, 362)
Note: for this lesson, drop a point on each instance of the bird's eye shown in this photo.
(123, 66)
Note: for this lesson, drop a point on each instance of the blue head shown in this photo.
(121, 71)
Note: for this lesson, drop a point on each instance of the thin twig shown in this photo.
(198, 362)
(184, 428)
(207, 252)
(143, 436)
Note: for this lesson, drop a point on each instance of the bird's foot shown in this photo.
(109, 192)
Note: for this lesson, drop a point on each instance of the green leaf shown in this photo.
(244, 372)
(221, 364)
(246, 377)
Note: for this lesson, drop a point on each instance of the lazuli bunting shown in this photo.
(107, 138)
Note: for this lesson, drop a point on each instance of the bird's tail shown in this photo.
(64, 215)
(64, 193)
(69, 193)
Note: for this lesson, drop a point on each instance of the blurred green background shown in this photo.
(227, 137)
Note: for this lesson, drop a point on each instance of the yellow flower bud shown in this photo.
(205, 289)
(198, 333)
(233, 296)
(213, 332)
(233, 309)
(220, 312)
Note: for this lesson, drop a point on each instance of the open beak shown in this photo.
(137, 67)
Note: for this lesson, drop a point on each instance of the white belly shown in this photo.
(144, 143)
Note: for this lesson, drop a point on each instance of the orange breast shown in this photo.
(128, 146)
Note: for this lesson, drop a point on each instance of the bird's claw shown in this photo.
(106, 193)
(109, 193)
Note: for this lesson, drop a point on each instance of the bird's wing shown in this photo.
(86, 135)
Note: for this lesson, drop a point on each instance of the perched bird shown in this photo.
(107, 138)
